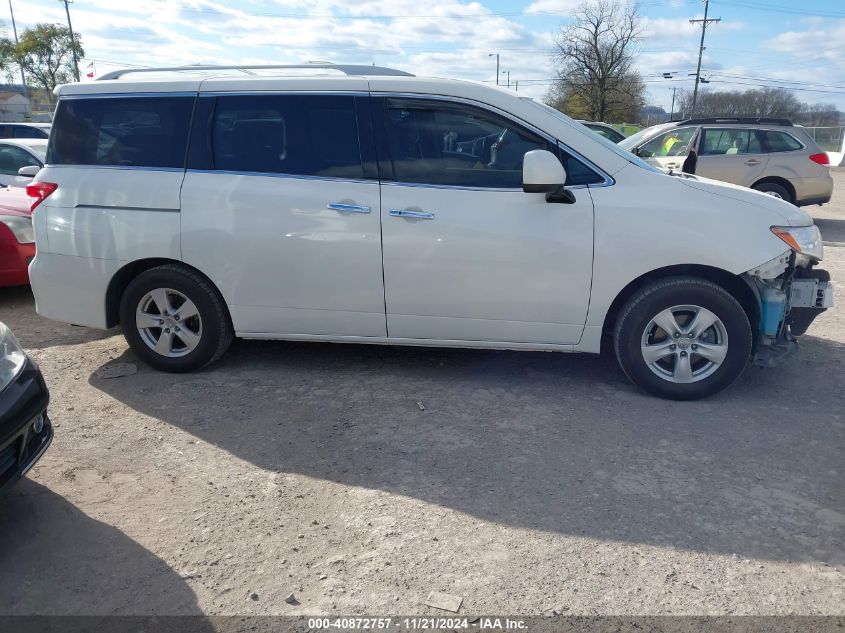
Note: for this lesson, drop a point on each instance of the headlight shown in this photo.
(802, 239)
(20, 226)
(12, 358)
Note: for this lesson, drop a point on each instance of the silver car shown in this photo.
(769, 155)
(20, 160)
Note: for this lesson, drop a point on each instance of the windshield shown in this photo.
(596, 137)
(635, 139)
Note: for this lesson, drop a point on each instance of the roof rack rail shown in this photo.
(347, 69)
(738, 120)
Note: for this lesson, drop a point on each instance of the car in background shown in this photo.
(17, 242)
(25, 130)
(769, 155)
(604, 129)
(25, 429)
(20, 160)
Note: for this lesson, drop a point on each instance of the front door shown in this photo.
(731, 155)
(281, 211)
(467, 255)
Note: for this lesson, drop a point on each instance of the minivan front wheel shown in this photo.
(775, 190)
(174, 320)
(683, 338)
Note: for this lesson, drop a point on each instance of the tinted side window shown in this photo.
(778, 141)
(452, 144)
(577, 173)
(13, 158)
(29, 132)
(287, 134)
(123, 131)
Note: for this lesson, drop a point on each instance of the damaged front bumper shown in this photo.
(791, 294)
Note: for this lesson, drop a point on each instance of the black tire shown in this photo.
(638, 313)
(215, 334)
(773, 187)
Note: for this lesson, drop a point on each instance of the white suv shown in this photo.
(377, 207)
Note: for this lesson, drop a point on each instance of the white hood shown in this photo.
(792, 215)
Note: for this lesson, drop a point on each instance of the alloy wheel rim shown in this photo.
(774, 194)
(684, 344)
(168, 322)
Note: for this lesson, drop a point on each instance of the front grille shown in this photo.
(9, 461)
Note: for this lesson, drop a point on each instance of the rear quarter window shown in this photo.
(778, 141)
(121, 132)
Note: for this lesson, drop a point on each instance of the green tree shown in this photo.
(45, 53)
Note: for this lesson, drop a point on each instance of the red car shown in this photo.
(17, 241)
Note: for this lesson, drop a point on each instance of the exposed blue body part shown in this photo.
(772, 310)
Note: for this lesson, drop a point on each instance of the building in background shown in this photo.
(14, 106)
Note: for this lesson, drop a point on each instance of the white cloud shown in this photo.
(673, 29)
(563, 7)
(825, 42)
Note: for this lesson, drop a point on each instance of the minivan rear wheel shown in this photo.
(683, 338)
(174, 319)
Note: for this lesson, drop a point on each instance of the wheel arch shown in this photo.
(127, 273)
(778, 180)
(740, 288)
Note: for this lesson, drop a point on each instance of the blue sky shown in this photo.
(797, 45)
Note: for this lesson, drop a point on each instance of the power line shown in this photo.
(762, 85)
(774, 8)
(393, 16)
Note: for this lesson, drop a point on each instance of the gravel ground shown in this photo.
(362, 478)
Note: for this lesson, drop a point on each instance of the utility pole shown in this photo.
(517, 85)
(672, 113)
(72, 40)
(509, 76)
(704, 24)
(15, 31)
(489, 55)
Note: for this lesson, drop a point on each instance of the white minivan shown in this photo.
(364, 205)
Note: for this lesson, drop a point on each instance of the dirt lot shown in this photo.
(529, 482)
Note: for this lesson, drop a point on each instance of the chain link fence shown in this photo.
(831, 140)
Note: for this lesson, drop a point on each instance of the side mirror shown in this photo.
(29, 171)
(542, 172)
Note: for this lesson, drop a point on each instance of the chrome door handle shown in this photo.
(405, 213)
(752, 162)
(348, 208)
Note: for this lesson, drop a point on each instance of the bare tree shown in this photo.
(764, 102)
(594, 56)
(819, 114)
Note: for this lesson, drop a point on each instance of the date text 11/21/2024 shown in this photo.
(418, 623)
